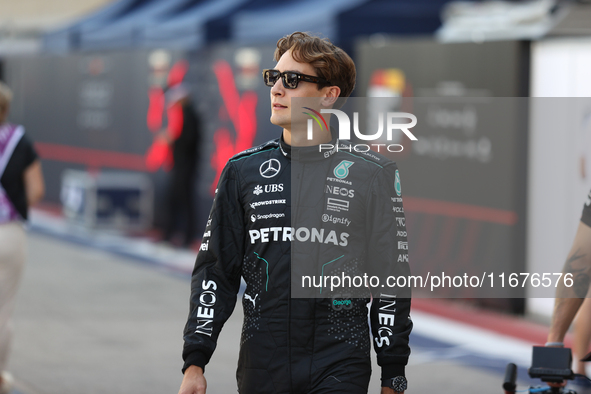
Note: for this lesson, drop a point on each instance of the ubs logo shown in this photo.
(270, 188)
(270, 168)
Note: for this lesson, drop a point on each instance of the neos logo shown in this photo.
(340, 191)
(205, 310)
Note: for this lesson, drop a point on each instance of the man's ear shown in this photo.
(332, 94)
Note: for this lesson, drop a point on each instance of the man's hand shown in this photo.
(194, 382)
(388, 390)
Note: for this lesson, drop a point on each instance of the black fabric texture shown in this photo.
(299, 345)
(13, 178)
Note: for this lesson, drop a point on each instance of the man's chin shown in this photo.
(280, 122)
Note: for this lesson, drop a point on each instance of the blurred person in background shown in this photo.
(287, 344)
(569, 299)
(582, 324)
(21, 185)
(182, 134)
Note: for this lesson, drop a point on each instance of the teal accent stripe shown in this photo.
(322, 276)
(254, 153)
(361, 157)
(259, 257)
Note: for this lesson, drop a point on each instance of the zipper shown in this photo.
(294, 215)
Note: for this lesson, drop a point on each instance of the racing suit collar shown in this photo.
(307, 153)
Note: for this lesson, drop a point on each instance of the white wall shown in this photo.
(560, 128)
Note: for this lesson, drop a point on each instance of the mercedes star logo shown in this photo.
(270, 168)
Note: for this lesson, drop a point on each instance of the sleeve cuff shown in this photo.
(392, 370)
(196, 358)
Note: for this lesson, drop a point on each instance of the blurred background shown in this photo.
(90, 81)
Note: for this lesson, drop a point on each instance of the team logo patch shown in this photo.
(270, 168)
(397, 184)
(337, 205)
(342, 170)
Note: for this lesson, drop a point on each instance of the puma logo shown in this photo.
(249, 298)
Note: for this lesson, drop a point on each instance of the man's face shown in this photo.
(281, 97)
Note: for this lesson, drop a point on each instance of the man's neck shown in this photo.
(297, 139)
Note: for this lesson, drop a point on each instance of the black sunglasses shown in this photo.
(290, 79)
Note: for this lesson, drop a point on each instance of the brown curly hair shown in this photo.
(329, 61)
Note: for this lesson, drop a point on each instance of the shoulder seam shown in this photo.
(253, 153)
(361, 157)
(269, 145)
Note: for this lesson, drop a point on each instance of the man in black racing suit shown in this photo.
(341, 208)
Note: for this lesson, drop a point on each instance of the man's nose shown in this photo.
(278, 88)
